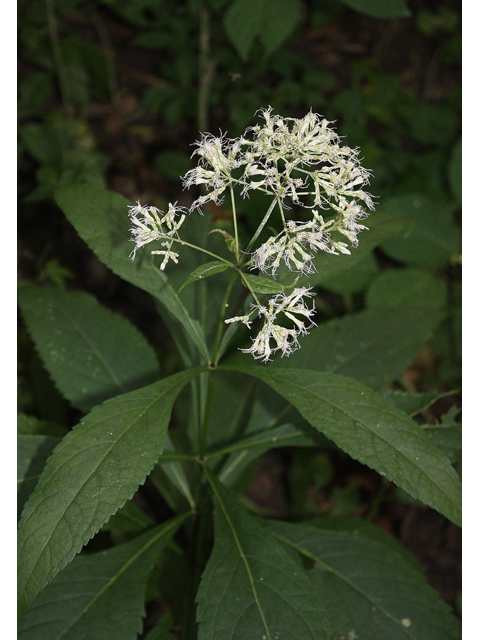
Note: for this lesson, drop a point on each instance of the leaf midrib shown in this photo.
(130, 426)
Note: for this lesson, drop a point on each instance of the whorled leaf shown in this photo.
(96, 468)
(369, 590)
(370, 430)
(86, 598)
(251, 588)
(374, 346)
(91, 353)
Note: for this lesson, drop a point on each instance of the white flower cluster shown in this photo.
(296, 162)
(152, 224)
(283, 339)
(296, 159)
(290, 246)
(219, 157)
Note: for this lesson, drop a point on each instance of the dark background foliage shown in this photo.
(114, 92)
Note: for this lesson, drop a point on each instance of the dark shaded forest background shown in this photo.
(114, 93)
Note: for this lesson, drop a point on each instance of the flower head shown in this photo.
(273, 336)
(149, 224)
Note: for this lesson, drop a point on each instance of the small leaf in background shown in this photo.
(434, 239)
(204, 271)
(32, 453)
(78, 602)
(273, 21)
(448, 435)
(245, 451)
(161, 631)
(374, 346)
(251, 588)
(96, 468)
(173, 164)
(380, 9)
(354, 279)
(369, 590)
(259, 284)
(455, 171)
(371, 431)
(31, 426)
(91, 353)
(128, 520)
(281, 18)
(411, 403)
(407, 287)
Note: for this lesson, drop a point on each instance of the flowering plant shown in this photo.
(238, 573)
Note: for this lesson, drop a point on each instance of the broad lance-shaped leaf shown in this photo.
(370, 591)
(84, 600)
(370, 430)
(91, 353)
(374, 346)
(96, 468)
(100, 219)
(251, 588)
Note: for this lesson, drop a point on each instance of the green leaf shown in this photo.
(97, 467)
(411, 403)
(273, 21)
(243, 23)
(246, 450)
(407, 287)
(129, 519)
(31, 426)
(100, 218)
(205, 270)
(354, 279)
(369, 590)
(259, 284)
(448, 435)
(374, 346)
(161, 631)
(32, 453)
(91, 353)
(251, 588)
(280, 20)
(356, 526)
(99, 595)
(435, 238)
(455, 171)
(381, 9)
(176, 474)
(370, 430)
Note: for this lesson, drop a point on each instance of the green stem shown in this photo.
(193, 246)
(57, 54)
(221, 319)
(237, 247)
(206, 68)
(247, 285)
(206, 415)
(259, 230)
